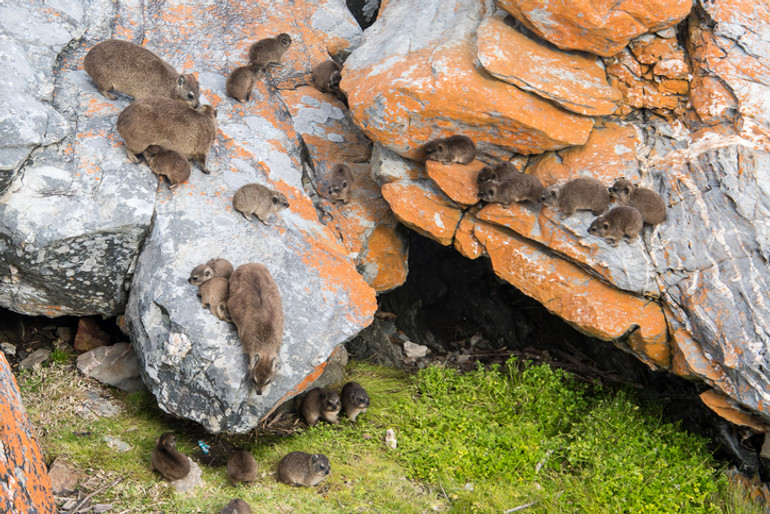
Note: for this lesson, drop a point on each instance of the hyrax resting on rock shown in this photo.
(457, 148)
(269, 50)
(256, 309)
(242, 80)
(132, 69)
(321, 403)
(237, 506)
(167, 460)
(648, 202)
(257, 199)
(171, 125)
(241, 467)
(582, 193)
(300, 468)
(512, 188)
(496, 172)
(340, 183)
(217, 267)
(326, 77)
(214, 294)
(167, 163)
(355, 399)
(617, 222)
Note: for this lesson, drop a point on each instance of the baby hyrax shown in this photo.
(326, 77)
(514, 187)
(217, 267)
(214, 294)
(236, 506)
(496, 172)
(321, 403)
(582, 193)
(646, 201)
(457, 148)
(300, 468)
(355, 399)
(340, 183)
(242, 80)
(617, 222)
(256, 309)
(167, 163)
(241, 467)
(257, 199)
(167, 460)
(132, 69)
(269, 50)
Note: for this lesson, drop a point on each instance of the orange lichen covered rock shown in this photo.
(458, 181)
(465, 242)
(420, 206)
(731, 411)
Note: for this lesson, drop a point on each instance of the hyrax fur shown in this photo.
(512, 188)
(300, 468)
(582, 193)
(648, 202)
(496, 172)
(326, 77)
(340, 183)
(236, 506)
(132, 69)
(214, 294)
(269, 50)
(321, 403)
(256, 309)
(217, 267)
(167, 460)
(167, 163)
(241, 467)
(457, 148)
(355, 399)
(619, 221)
(171, 125)
(257, 199)
(242, 80)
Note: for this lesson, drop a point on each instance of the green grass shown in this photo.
(486, 441)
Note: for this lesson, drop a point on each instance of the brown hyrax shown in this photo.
(514, 187)
(321, 403)
(617, 222)
(171, 125)
(256, 309)
(340, 183)
(242, 80)
(257, 199)
(457, 148)
(218, 267)
(326, 77)
(582, 193)
(241, 467)
(646, 201)
(269, 50)
(167, 460)
(132, 69)
(214, 293)
(496, 172)
(167, 163)
(300, 468)
(237, 506)
(355, 399)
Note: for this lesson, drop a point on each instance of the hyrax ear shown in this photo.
(314, 459)
(274, 364)
(180, 80)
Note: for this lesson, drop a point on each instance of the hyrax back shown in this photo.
(167, 163)
(648, 202)
(321, 403)
(300, 468)
(340, 183)
(269, 50)
(171, 125)
(167, 460)
(241, 467)
(326, 76)
(217, 267)
(355, 399)
(214, 294)
(495, 172)
(617, 222)
(242, 80)
(256, 309)
(457, 148)
(257, 199)
(132, 69)
(237, 506)
(512, 188)
(582, 193)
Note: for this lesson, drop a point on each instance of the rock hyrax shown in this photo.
(256, 309)
(512, 188)
(300, 468)
(214, 294)
(452, 149)
(217, 267)
(167, 460)
(171, 125)
(321, 403)
(269, 50)
(242, 80)
(132, 69)
(241, 467)
(495, 172)
(326, 77)
(257, 199)
(237, 506)
(646, 201)
(617, 222)
(355, 399)
(582, 193)
(340, 183)
(167, 163)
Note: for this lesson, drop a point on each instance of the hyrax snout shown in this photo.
(648, 202)
(321, 404)
(132, 69)
(582, 193)
(167, 460)
(217, 267)
(214, 294)
(303, 469)
(269, 50)
(242, 80)
(257, 199)
(514, 187)
(355, 399)
(340, 183)
(617, 222)
(242, 467)
(453, 149)
(167, 163)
